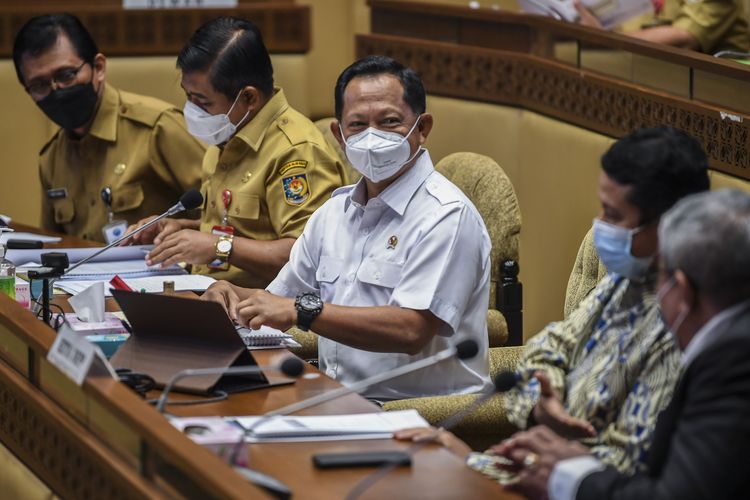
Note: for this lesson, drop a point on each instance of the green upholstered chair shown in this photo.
(485, 183)
(587, 271)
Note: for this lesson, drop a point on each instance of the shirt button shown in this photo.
(213, 204)
(378, 275)
(223, 166)
(93, 202)
(351, 276)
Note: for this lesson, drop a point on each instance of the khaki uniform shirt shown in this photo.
(716, 24)
(138, 146)
(279, 169)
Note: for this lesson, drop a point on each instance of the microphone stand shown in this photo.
(356, 387)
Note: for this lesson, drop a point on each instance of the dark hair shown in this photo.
(232, 50)
(661, 165)
(40, 33)
(414, 94)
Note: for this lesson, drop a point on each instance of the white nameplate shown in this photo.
(77, 358)
(178, 4)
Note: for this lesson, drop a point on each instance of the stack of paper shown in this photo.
(329, 427)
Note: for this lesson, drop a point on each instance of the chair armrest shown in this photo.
(497, 328)
(308, 341)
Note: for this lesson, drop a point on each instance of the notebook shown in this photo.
(266, 338)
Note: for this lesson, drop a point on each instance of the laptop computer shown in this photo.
(173, 333)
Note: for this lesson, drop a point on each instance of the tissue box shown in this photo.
(109, 335)
(110, 326)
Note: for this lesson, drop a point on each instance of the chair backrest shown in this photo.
(485, 183)
(587, 271)
(324, 125)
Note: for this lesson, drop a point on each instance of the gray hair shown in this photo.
(707, 236)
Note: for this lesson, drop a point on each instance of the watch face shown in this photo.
(309, 301)
(224, 246)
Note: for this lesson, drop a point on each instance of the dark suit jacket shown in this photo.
(701, 444)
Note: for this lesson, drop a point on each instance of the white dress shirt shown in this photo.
(420, 244)
(568, 474)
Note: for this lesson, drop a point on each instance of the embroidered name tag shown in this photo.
(57, 193)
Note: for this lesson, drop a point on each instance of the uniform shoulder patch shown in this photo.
(296, 189)
(292, 164)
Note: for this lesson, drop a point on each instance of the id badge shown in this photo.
(114, 230)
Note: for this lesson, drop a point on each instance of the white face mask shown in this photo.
(378, 154)
(211, 129)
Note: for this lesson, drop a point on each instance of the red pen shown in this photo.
(119, 284)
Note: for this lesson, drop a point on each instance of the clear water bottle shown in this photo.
(7, 275)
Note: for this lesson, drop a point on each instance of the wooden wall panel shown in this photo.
(584, 98)
(285, 26)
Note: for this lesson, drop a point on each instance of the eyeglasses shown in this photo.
(63, 77)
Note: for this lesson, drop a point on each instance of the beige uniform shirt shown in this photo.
(138, 146)
(279, 169)
(716, 24)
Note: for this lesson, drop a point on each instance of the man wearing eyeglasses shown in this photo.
(117, 157)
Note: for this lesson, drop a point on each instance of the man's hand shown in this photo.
(186, 245)
(550, 411)
(536, 452)
(441, 436)
(161, 229)
(263, 308)
(585, 17)
(226, 294)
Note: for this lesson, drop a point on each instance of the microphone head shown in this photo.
(466, 349)
(292, 366)
(191, 199)
(505, 381)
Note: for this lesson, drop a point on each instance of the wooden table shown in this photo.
(102, 440)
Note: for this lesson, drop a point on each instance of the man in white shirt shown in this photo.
(700, 443)
(392, 269)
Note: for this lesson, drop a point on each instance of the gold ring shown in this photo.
(530, 460)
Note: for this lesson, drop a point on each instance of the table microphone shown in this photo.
(465, 349)
(188, 201)
(503, 382)
(290, 365)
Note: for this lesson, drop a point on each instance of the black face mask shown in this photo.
(70, 107)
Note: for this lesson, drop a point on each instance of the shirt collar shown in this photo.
(105, 122)
(398, 194)
(706, 335)
(253, 132)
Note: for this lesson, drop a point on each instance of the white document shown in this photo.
(610, 13)
(105, 271)
(135, 252)
(4, 237)
(152, 284)
(367, 425)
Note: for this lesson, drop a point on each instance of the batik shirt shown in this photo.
(613, 362)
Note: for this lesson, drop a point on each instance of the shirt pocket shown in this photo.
(329, 270)
(64, 210)
(127, 197)
(245, 206)
(380, 273)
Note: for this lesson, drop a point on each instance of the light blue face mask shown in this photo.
(613, 243)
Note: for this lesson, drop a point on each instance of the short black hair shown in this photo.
(233, 52)
(40, 33)
(661, 165)
(414, 94)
